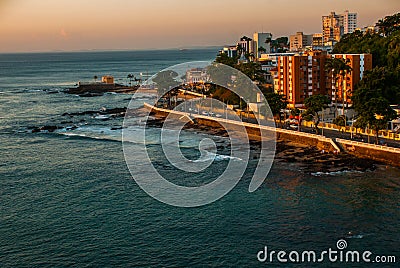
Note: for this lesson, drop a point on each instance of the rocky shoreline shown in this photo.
(103, 114)
(308, 159)
(94, 90)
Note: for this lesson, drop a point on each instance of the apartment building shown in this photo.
(300, 41)
(302, 75)
(349, 22)
(341, 91)
(334, 26)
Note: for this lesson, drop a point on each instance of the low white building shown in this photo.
(197, 75)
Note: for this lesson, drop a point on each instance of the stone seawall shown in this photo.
(253, 130)
(380, 153)
(385, 154)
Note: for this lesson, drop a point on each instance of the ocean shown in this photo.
(67, 197)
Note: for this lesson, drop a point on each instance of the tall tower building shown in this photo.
(262, 40)
(334, 26)
(349, 22)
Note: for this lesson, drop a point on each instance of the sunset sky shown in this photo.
(69, 25)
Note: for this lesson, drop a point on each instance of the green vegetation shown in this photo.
(374, 111)
(379, 82)
(389, 25)
(276, 103)
(315, 104)
(250, 68)
(224, 95)
(166, 84)
(340, 121)
(253, 71)
(294, 112)
(225, 59)
(385, 49)
(280, 44)
(380, 86)
(338, 68)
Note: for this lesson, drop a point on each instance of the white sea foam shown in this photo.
(82, 135)
(216, 157)
(93, 132)
(334, 173)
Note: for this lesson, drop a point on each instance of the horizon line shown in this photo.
(111, 50)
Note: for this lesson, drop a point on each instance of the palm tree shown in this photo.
(338, 68)
(262, 50)
(130, 77)
(250, 56)
(239, 50)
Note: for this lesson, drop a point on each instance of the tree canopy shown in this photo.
(315, 104)
(385, 49)
(373, 109)
(389, 25)
(276, 103)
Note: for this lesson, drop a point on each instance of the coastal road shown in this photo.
(329, 133)
(333, 134)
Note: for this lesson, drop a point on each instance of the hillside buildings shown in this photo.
(334, 26)
(318, 41)
(301, 72)
(307, 42)
(260, 44)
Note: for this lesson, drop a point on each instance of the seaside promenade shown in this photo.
(331, 141)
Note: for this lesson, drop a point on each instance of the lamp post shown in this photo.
(211, 100)
(351, 128)
(226, 117)
(299, 122)
(378, 117)
(322, 128)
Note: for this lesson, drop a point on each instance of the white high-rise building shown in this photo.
(349, 22)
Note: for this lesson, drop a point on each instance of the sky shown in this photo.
(73, 25)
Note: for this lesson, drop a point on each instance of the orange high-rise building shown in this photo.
(300, 76)
(343, 90)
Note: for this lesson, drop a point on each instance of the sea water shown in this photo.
(67, 198)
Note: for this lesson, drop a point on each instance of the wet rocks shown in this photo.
(98, 89)
(116, 112)
(45, 129)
